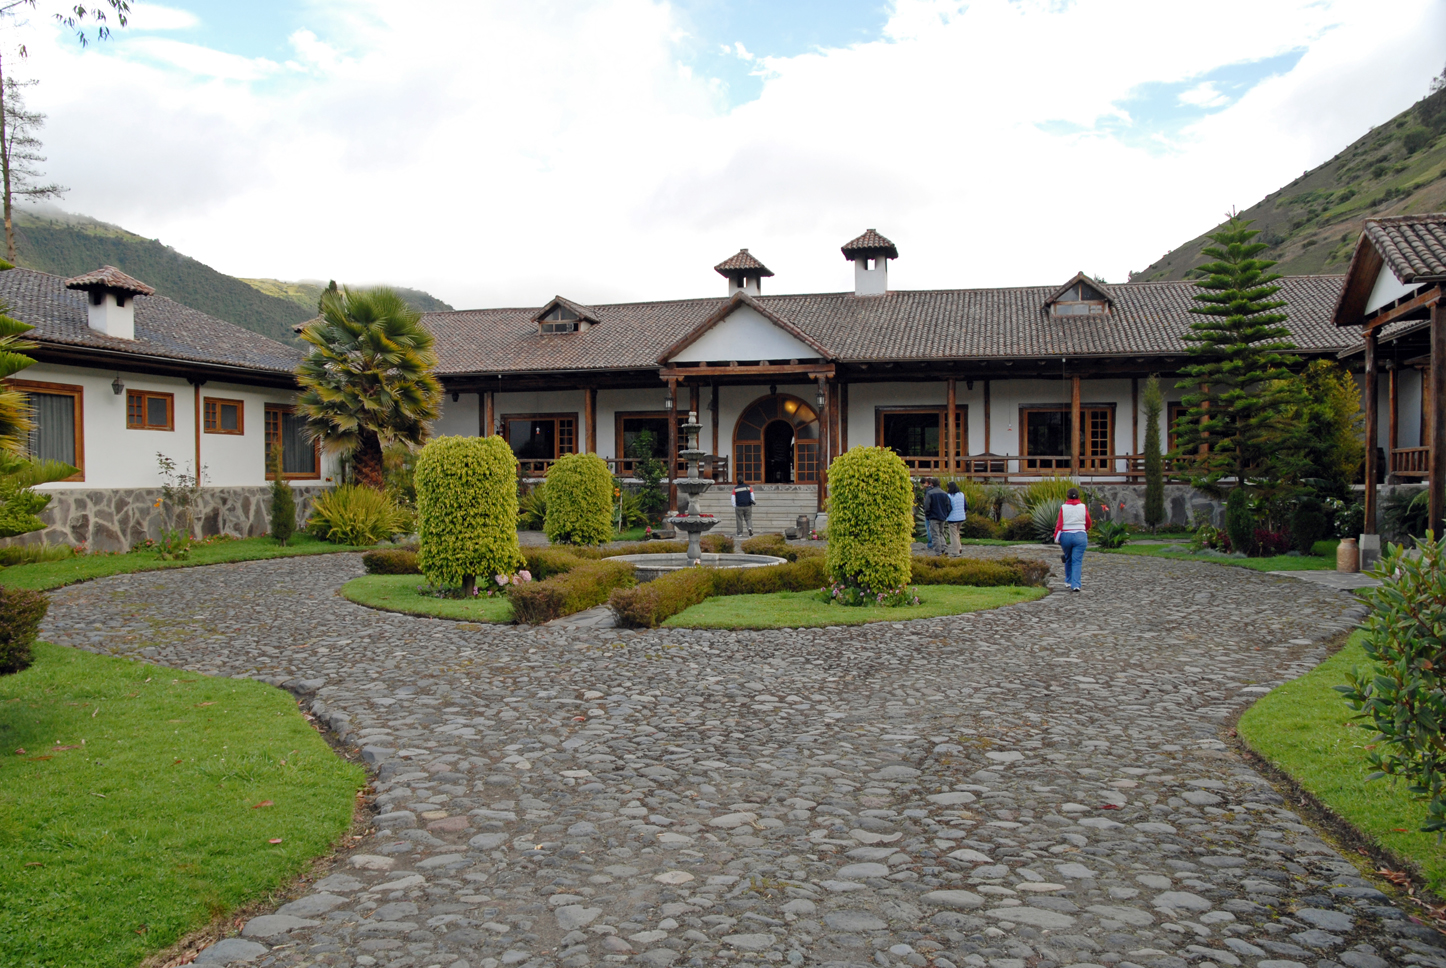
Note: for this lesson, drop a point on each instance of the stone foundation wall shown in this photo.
(118, 519)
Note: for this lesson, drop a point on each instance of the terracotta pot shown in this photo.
(1348, 557)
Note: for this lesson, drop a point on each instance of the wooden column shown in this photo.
(843, 418)
(589, 400)
(672, 444)
(1393, 433)
(823, 443)
(197, 384)
(987, 448)
(695, 397)
(488, 419)
(950, 402)
(1437, 480)
(1076, 431)
(1134, 416)
(713, 406)
(1371, 431)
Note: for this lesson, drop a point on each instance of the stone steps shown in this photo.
(775, 510)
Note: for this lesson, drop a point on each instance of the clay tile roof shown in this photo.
(1414, 246)
(742, 264)
(577, 309)
(869, 243)
(109, 277)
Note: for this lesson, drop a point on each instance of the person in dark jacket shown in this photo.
(937, 508)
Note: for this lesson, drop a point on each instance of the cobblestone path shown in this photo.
(1033, 786)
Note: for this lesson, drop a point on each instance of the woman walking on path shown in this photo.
(1070, 530)
(959, 510)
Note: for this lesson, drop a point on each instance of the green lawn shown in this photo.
(398, 593)
(1302, 727)
(44, 575)
(804, 610)
(1315, 562)
(117, 837)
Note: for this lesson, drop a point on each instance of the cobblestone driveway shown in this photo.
(1037, 785)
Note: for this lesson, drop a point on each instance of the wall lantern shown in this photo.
(668, 402)
(117, 387)
(456, 396)
(821, 399)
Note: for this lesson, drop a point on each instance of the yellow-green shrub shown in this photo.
(391, 561)
(871, 519)
(805, 575)
(579, 500)
(587, 585)
(467, 503)
(937, 570)
(649, 605)
(545, 562)
(356, 515)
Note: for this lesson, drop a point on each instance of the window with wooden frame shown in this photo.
(149, 410)
(1044, 434)
(300, 458)
(629, 424)
(560, 320)
(917, 434)
(1175, 412)
(1080, 299)
(224, 416)
(540, 436)
(58, 423)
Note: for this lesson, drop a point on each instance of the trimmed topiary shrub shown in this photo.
(579, 500)
(583, 587)
(649, 605)
(391, 561)
(356, 515)
(1309, 523)
(20, 614)
(871, 520)
(467, 504)
(1240, 522)
(979, 572)
(978, 526)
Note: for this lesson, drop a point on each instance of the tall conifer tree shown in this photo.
(1239, 348)
(1154, 463)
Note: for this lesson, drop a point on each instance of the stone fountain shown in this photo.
(692, 523)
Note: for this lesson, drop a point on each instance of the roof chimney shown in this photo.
(743, 272)
(110, 302)
(870, 253)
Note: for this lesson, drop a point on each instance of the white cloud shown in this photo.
(1204, 95)
(153, 16)
(496, 153)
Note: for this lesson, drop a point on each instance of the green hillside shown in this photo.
(1312, 224)
(68, 245)
(308, 291)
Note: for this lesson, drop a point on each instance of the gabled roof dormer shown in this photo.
(565, 316)
(1081, 296)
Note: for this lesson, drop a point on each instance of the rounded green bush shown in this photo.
(467, 505)
(871, 519)
(579, 500)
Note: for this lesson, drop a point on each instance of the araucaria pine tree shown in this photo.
(1239, 348)
(1154, 462)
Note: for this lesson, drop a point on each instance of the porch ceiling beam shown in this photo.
(805, 370)
(1400, 309)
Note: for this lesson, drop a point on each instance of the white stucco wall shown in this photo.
(458, 418)
(745, 335)
(117, 456)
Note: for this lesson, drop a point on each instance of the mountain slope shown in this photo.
(308, 291)
(68, 245)
(1312, 224)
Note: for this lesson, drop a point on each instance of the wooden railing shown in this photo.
(1411, 461)
(1001, 468)
(715, 468)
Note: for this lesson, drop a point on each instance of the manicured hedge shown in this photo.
(579, 500)
(978, 526)
(467, 506)
(806, 574)
(543, 563)
(20, 614)
(649, 605)
(936, 570)
(871, 519)
(1018, 528)
(583, 587)
(775, 545)
(392, 561)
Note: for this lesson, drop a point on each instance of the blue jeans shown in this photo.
(1072, 543)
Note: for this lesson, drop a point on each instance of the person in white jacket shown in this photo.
(1071, 530)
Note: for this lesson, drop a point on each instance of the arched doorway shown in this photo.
(776, 441)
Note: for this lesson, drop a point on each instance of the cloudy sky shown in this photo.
(496, 153)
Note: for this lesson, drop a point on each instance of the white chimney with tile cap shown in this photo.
(110, 300)
(870, 253)
(743, 272)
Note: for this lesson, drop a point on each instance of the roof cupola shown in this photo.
(870, 253)
(743, 272)
(110, 302)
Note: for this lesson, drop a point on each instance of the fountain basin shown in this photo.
(648, 567)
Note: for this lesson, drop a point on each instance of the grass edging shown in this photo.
(803, 610)
(398, 593)
(1340, 826)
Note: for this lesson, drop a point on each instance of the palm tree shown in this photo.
(368, 379)
(15, 411)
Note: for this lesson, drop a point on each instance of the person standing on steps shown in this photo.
(937, 508)
(959, 510)
(743, 508)
(1071, 530)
